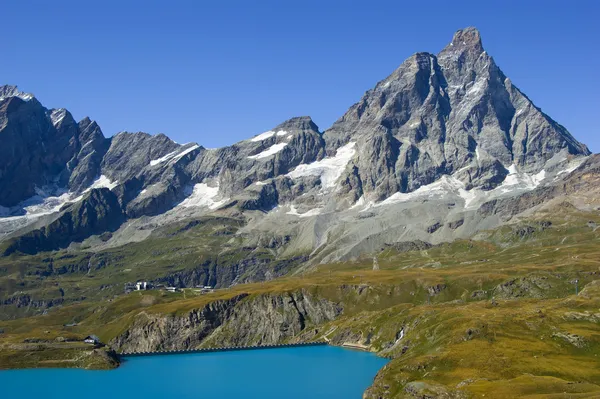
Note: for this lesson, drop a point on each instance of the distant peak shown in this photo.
(85, 121)
(468, 38)
(7, 91)
(298, 122)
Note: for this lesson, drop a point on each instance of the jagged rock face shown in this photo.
(85, 164)
(294, 142)
(445, 114)
(33, 152)
(158, 198)
(139, 161)
(488, 107)
(130, 153)
(44, 148)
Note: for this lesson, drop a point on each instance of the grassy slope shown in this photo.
(63, 276)
(497, 317)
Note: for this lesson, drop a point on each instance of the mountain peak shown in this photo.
(466, 39)
(299, 123)
(462, 56)
(7, 91)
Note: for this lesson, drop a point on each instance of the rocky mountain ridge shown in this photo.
(446, 127)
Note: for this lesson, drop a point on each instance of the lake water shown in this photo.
(302, 372)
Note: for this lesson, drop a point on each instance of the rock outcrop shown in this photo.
(241, 321)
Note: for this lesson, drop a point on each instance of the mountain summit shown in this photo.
(451, 113)
(450, 127)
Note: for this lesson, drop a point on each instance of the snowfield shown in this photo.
(163, 159)
(48, 200)
(313, 212)
(263, 136)
(174, 156)
(202, 195)
(102, 182)
(274, 149)
(516, 182)
(57, 115)
(184, 153)
(328, 169)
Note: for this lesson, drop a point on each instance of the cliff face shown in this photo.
(240, 321)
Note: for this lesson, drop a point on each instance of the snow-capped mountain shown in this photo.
(416, 158)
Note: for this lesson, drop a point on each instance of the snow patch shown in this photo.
(48, 200)
(14, 92)
(448, 186)
(184, 153)
(263, 136)
(22, 96)
(102, 182)
(170, 155)
(469, 196)
(87, 143)
(202, 195)
(432, 60)
(274, 149)
(58, 115)
(43, 203)
(25, 96)
(415, 124)
(440, 188)
(174, 156)
(328, 169)
(574, 164)
(313, 212)
(361, 201)
(282, 133)
(516, 180)
(477, 88)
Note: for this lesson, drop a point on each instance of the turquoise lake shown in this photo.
(302, 372)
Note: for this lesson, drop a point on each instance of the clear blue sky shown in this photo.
(221, 71)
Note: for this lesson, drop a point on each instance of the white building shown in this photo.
(91, 339)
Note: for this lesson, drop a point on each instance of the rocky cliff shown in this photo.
(240, 321)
